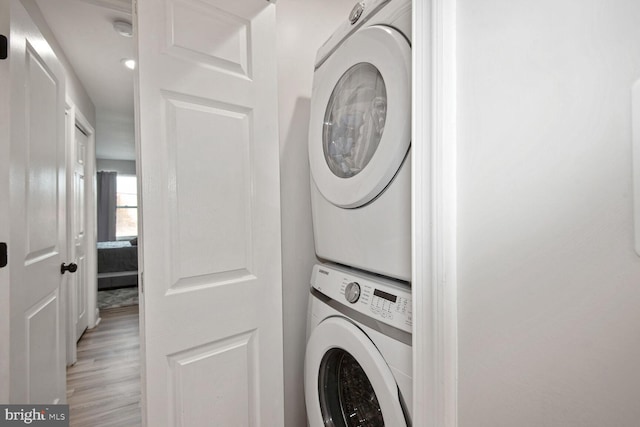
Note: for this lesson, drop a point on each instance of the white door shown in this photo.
(37, 243)
(360, 122)
(210, 203)
(79, 280)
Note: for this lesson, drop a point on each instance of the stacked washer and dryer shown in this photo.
(358, 361)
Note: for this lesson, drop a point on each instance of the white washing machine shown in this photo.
(359, 141)
(358, 357)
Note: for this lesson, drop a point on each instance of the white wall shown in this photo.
(549, 285)
(115, 135)
(303, 25)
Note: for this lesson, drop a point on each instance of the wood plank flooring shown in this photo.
(103, 387)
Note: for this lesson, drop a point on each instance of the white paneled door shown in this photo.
(37, 242)
(79, 280)
(209, 163)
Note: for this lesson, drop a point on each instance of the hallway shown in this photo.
(103, 387)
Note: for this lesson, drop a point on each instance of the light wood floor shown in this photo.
(103, 387)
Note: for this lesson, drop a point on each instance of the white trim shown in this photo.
(74, 116)
(91, 219)
(67, 297)
(635, 150)
(434, 214)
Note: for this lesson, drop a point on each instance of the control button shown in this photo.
(352, 292)
(356, 13)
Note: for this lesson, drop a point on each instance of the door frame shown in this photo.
(5, 312)
(75, 117)
(434, 199)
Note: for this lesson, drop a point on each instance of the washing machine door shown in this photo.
(360, 124)
(347, 381)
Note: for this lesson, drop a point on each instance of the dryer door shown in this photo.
(347, 381)
(360, 125)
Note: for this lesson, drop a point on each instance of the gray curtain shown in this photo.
(106, 206)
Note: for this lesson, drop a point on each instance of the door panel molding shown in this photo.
(42, 327)
(231, 367)
(212, 23)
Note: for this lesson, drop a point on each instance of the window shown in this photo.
(126, 206)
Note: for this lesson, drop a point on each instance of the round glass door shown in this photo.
(354, 120)
(347, 382)
(360, 118)
(347, 398)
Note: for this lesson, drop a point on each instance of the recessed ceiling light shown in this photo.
(129, 63)
(123, 28)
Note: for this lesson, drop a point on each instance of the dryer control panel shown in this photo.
(387, 301)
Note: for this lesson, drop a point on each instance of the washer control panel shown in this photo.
(383, 299)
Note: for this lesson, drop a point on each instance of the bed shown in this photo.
(117, 264)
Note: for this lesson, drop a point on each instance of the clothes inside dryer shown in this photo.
(354, 120)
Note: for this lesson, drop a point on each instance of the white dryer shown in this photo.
(359, 141)
(358, 359)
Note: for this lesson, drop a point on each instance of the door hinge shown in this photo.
(3, 254)
(4, 47)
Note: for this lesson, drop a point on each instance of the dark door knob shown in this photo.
(71, 267)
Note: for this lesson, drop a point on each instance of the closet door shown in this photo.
(210, 203)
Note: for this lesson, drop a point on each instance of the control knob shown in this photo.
(352, 292)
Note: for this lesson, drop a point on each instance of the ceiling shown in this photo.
(84, 30)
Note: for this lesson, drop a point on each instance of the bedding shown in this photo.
(117, 264)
